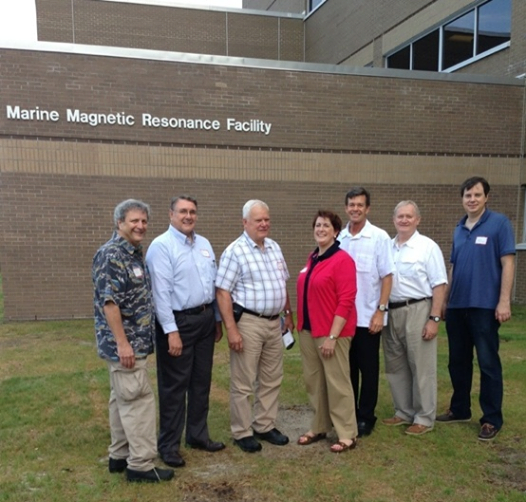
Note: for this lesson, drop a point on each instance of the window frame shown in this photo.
(475, 57)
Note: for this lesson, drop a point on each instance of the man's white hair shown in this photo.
(250, 204)
(407, 203)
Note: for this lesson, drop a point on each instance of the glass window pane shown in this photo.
(458, 40)
(399, 59)
(494, 24)
(315, 3)
(425, 53)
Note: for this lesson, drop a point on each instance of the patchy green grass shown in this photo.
(54, 436)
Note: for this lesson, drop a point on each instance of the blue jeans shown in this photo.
(468, 328)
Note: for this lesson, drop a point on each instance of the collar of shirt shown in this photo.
(366, 231)
(252, 244)
(182, 238)
(482, 219)
(128, 247)
(409, 243)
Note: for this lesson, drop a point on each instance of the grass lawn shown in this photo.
(54, 436)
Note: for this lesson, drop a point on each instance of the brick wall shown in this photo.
(307, 110)
(297, 6)
(175, 29)
(59, 182)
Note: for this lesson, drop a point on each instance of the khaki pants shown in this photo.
(257, 371)
(329, 386)
(411, 364)
(132, 416)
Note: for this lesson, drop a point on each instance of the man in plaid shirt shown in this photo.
(251, 283)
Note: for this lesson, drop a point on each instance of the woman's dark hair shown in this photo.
(335, 220)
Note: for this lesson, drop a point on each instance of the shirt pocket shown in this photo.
(364, 262)
(407, 267)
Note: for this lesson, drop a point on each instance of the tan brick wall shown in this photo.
(59, 182)
(253, 36)
(54, 20)
(177, 29)
(307, 110)
(297, 6)
(340, 28)
(46, 253)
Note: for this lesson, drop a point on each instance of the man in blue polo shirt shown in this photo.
(481, 279)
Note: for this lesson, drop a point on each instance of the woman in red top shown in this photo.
(326, 322)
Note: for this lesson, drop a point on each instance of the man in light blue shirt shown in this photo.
(183, 270)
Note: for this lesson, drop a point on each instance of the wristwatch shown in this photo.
(332, 337)
(383, 308)
(434, 318)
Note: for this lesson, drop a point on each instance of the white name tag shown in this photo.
(303, 270)
(138, 272)
(205, 253)
(481, 240)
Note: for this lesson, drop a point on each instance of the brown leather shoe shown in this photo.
(394, 421)
(418, 429)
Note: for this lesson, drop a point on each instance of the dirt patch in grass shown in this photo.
(508, 471)
(224, 491)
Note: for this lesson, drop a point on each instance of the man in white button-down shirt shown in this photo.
(415, 304)
(371, 250)
(183, 270)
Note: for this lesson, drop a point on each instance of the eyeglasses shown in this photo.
(191, 212)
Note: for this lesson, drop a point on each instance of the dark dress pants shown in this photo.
(468, 328)
(364, 357)
(184, 381)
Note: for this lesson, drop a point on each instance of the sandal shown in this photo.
(308, 439)
(340, 446)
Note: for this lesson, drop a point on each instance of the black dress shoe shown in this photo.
(117, 465)
(248, 444)
(273, 436)
(173, 459)
(208, 445)
(364, 429)
(152, 476)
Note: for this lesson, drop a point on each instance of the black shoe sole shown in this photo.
(271, 441)
(248, 450)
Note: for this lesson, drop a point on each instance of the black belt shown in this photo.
(397, 305)
(194, 310)
(269, 317)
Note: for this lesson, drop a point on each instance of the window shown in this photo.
(459, 40)
(400, 59)
(425, 52)
(477, 33)
(313, 4)
(494, 25)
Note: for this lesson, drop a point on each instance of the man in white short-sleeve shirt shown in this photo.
(371, 249)
(415, 303)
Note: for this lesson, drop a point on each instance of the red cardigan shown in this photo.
(331, 291)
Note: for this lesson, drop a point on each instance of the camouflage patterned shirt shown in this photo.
(120, 276)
